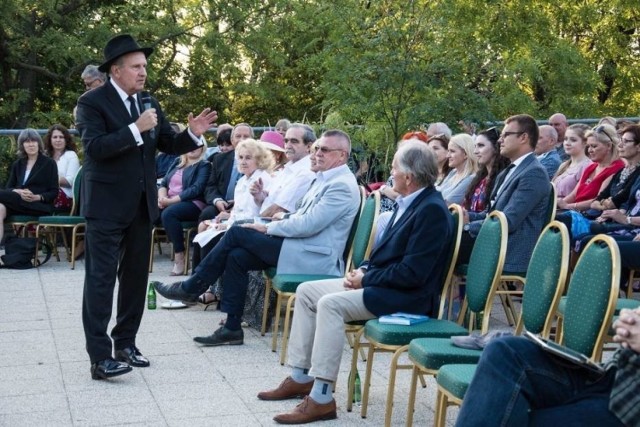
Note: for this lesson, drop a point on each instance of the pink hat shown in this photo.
(273, 141)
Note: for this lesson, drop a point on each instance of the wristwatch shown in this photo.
(629, 220)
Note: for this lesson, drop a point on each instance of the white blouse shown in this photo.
(68, 166)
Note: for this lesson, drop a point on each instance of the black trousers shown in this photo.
(240, 250)
(115, 250)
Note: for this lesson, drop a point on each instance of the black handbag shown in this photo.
(20, 252)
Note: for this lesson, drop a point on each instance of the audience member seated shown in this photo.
(530, 386)
(463, 164)
(282, 126)
(224, 176)
(59, 145)
(618, 190)
(439, 128)
(387, 193)
(33, 181)
(521, 192)
(630, 255)
(603, 151)
(311, 241)
(180, 198)
(273, 141)
(223, 141)
(559, 122)
(569, 172)
(404, 273)
(491, 163)
(165, 161)
(546, 150)
(440, 145)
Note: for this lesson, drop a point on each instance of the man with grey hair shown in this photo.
(310, 241)
(93, 77)
(559, 122)
(546, 149)
(438, 128)
(404, 273)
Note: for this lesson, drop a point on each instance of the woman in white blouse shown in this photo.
(464, 166)
(59, 145)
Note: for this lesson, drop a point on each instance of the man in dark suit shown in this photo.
(120, 136)
(220, 189)
(404, 273)
(521, 192)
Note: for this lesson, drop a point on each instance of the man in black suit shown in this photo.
(120, 134)
(404, 273)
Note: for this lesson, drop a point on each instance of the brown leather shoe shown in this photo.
(308, 411)
(288, 389)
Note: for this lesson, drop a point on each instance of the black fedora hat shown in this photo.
(118, 46)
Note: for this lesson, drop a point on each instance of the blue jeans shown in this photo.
(172, 216)
(519, 384)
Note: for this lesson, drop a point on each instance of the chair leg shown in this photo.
(412, 396)
(276, 323)
(367, 381)
(187, 246)
(265, 310)
(393, 370)
(441, 409)
(153, 233)
(630, 283)
(354, 367)
(74, 237)
(285, 331)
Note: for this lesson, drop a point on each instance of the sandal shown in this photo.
(207, 299)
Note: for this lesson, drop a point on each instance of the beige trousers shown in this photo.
(317, 331)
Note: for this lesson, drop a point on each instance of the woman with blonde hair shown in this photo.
(569, 172)
(602, 143)
(463, 164)
(181, 198)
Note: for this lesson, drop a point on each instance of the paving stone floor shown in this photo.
(45, 380)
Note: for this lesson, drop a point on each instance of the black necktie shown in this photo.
(132, 108)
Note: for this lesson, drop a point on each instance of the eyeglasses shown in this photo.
(601, 129)
(326, 150)
(504, 135)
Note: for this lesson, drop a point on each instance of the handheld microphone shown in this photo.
(146, 104)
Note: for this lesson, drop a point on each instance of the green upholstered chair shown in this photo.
(21, 223)
(188, 229)
(397, 334)
(358, 247)
(545, 283)
(483, 275)
(589, 307)
(396, 339)
(57, 223)
(509, 277)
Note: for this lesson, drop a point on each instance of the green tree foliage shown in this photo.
(388, 66)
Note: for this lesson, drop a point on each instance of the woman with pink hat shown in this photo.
(275, 142)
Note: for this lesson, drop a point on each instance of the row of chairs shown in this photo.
(484, 275)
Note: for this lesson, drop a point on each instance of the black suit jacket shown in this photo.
(116, 171)
(42, 180)
(405, 270)
(221, 165)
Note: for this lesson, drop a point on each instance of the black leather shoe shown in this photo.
(132, 356)
(175, 291)
(108, 368)
(222, 336)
